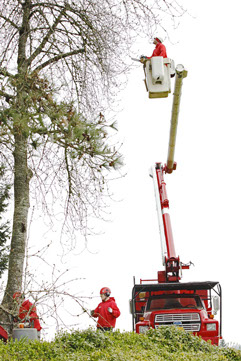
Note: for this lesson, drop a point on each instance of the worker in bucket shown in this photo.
(106, 311)
(160, 49)
(27, 311)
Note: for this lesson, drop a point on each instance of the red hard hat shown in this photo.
(105, 291)
(159, 38)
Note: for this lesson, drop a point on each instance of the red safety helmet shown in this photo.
(105, 291)
(159, 38)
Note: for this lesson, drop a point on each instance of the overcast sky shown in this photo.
(204, 191)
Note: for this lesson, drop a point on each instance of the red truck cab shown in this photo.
(188, 305)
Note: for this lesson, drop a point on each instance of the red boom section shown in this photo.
(172, 262)
(165, 213)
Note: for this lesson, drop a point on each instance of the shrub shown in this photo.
(162, 344)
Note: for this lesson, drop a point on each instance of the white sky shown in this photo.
(204, 191)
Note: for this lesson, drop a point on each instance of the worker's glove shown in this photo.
(143, 58)
(110, 309)
(92, 312)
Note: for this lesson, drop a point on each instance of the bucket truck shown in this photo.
(167, 301)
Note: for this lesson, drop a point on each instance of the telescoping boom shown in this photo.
(180, 74)
(169, 258)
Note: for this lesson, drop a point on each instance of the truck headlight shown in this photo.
(143, 329)
(211, 326)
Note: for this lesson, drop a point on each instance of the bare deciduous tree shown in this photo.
(60, 63)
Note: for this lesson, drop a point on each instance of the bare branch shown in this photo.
(5, 72)
(9, 21)
(57, 58)
(46, 38)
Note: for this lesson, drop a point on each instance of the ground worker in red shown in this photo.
(106, 311)
(160, 49)
(27, 311)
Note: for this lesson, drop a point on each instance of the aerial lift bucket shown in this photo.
(157, 77)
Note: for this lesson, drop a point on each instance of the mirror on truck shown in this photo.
(131, 307)
(216, 305)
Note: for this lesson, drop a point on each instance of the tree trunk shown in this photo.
(19, 233)
(21, 182)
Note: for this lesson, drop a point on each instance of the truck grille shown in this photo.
(189, 321)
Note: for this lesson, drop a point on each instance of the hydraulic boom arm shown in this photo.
(170, 260)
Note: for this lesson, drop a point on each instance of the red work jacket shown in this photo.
(28, 310)
(105, 318)
(160, 50)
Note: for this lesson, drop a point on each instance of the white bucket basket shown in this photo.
(157, 77)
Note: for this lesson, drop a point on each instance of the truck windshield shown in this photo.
(174, 301)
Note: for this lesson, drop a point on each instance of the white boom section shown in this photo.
(159, 215)
(180, 74)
